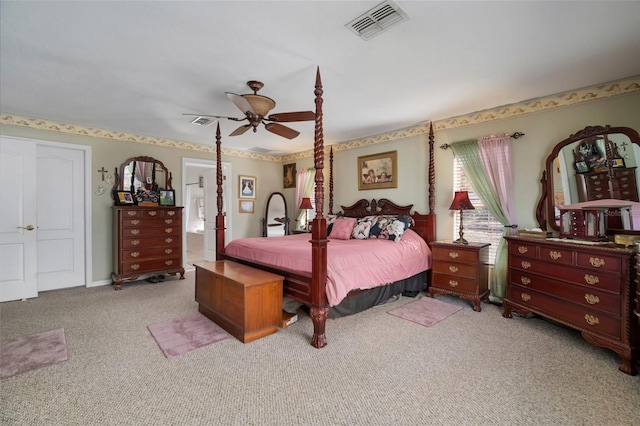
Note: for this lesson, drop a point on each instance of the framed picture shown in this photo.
(378, 171)
(247, 185)
(617, 162)
(289, 175)
(124, 198)
(167, 197)
(246, 206)
(581, 166)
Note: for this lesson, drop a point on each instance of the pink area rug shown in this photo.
(180, 336)
(23, 354)
(425, 311)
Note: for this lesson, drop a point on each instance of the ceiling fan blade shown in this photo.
(281, 130)
(285, 117)
(215, 116)
(241, 103)
(240, 130)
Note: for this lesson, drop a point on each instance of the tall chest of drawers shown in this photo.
(587, 287)
(596, 185)
(146, 240)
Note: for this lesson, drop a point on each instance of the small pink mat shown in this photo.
(425, 311)
(23, 354)
(179, 336)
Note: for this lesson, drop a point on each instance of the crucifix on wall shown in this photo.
(103, 171)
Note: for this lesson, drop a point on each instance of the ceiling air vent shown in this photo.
(259, 150)
(379, 19)
(202, 121)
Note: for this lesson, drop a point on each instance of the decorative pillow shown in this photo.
(390, 227)
(362, 227)
(331, 218)
(342, 228)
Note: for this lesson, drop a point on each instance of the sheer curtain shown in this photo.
(304, 188)
(484, 168)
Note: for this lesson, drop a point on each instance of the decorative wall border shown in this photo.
(573, 97)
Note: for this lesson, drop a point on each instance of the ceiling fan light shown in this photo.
(260, 104)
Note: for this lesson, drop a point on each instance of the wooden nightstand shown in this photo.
(461, 270)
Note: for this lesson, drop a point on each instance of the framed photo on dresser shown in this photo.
(124, 198)
(167, 197)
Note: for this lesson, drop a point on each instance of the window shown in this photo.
(479, 224)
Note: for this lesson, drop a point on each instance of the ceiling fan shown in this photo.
(256, 107)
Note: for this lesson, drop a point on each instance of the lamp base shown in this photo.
(461, 241)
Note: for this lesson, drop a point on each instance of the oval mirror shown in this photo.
(276, 221)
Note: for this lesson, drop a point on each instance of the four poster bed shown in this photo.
(338, 272)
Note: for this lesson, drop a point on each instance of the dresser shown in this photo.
(595, 185)
(461, 270)
(146, 240)
(588, 287)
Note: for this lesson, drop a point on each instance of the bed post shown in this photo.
(220, 216)
(331, 180)
(432, 173)
(319, 305)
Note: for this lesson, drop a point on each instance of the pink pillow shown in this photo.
(342, 228)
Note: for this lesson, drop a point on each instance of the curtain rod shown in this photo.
(516, 135)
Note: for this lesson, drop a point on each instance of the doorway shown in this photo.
(200, 208)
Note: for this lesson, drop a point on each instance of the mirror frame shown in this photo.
(545, 207)
(120, 185)
(266, 214)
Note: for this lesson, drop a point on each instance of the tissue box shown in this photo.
(526, 233)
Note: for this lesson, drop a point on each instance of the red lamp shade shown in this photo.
(306, 204)
(461, 201)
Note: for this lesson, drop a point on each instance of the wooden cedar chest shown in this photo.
(245, 301)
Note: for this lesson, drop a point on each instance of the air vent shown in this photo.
(259, 150)
(202, 121)
(377, 20)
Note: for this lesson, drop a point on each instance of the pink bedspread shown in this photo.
(351, 264)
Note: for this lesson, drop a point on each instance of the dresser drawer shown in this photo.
(458, 284)
(155, 222)
(556, 255)
(154, 265)
(599, 262)
(523, 249)
(455, 254)
(587, 319)
(169, 241)
(587, 297)
(456, 269)
(148, 253)
(150, 232)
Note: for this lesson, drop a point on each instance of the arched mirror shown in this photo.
(276, 221)
(596, 163)
(142, 173)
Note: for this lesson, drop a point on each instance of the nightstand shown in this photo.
(461, 270)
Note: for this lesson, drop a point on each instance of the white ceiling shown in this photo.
(136, 66)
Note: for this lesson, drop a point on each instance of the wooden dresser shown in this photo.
(587, 287)
(595, 185)
(146, 240)
(461, 270)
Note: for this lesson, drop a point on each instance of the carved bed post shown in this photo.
(220, 225)
(331, 180)
(319, 305)
(432, 173)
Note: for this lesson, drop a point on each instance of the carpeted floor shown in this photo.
(470, 369)
(426, 311)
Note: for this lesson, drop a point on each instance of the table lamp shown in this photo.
(461, 202)
(306, 206)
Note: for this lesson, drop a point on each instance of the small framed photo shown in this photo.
(124, 198)
(617, 162)
(149, 181)
(246, 206)
(167, 197)
(247, 185)
(581, 166)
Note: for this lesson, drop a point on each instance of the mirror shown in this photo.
(142, 173)
(276, 221)
(596, 163)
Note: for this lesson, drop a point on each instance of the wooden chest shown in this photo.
(245, 301)
(586, 287)
(461, 270)
(146, 240)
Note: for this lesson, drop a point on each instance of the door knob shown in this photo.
(28, 227)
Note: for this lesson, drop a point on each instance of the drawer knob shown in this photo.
(168, 251)
(135, 231)
(591, 299)
(168, 230)
(453, 268)
(153, 213)
(525, 297)
(591, 279)
(171, 213)
(168, 221)
(525, 264)
(522, 249)
(168, 262)
(453, 254)
(591, 320)
(596, 262)
(555, 255)
(135, 254)
(135, 266)
(135, 222)
(525, 280)
(453, 283)
(168, 240)
(135, 242)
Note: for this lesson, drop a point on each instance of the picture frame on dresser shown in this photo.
(617, 163)
(581, 167)
(167, 197)
(124, 198)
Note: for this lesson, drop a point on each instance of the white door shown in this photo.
(18, 226)
(61, 227)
